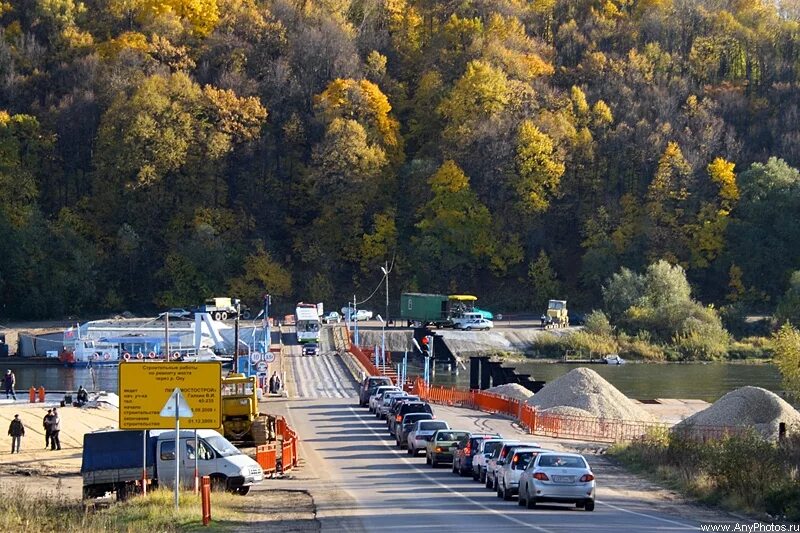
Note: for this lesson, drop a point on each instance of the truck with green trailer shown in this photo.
(425, 309)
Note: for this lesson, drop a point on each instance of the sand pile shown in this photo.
(515, 391)
(585, 390)
(747, 407)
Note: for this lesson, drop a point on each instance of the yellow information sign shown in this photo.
(144, 388)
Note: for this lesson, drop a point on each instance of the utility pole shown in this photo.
(166, 335)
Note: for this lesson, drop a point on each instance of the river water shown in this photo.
(648, 381)
(643, 381)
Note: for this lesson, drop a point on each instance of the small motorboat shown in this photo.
(614, 359)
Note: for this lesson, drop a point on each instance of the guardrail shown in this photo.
(282, 455)
(564, 426)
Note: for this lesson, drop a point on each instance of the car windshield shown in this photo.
(432, 426)
(410, 419)
(222, 446)
(450, 435)
(521, 459)
(562, 461)
(491, 447)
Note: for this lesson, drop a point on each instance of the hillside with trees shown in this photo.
(154, 152)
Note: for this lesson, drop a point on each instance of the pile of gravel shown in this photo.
(584, 389)
(564, 410)
(747, 407)
(515, 391)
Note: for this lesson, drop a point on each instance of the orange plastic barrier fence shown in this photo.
(280, 427)
(549, 425)
(267, 457)
(287, 455)
(364, 359)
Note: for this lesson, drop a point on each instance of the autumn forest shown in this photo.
(156, 152)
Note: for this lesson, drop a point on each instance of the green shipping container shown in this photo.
(423, 308)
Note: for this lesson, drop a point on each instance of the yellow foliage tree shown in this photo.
(787, 357)
(538, 170)
(363, 101)
(479, 94)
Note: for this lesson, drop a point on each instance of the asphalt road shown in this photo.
(361, 482)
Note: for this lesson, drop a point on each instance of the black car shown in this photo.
(402, 430)
(404, 408)
(368, 387)
(311, 349)
(466, 449)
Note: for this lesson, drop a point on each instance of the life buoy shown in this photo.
(176, 355)
(96, 356)
(126, 356)
(106, 356)
(139, 355)
(152, 355)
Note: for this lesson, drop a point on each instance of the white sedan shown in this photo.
(477, 324)
(377, 398)
(422, 432)
(559, 478)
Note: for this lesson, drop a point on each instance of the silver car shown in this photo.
(378, 396)
(383, 407)
(508, 475)
(560, 478)
(485, 450)
(421, 433)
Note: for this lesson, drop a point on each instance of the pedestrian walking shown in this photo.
(9, 380)
(278, 384)
(16, 431)
(55, 429)
(272, 383)
(46, 422)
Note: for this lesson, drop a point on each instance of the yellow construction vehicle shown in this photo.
(241, 420)
(557, 316)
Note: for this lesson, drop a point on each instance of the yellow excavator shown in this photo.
(241, 420)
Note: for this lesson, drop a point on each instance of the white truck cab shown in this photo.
(217, 458)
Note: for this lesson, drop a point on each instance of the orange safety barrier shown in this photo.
(41, 394)
(280, 427)
(287, 457)
(32, 395)
(267, 458)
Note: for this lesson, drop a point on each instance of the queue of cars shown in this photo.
(510, 467)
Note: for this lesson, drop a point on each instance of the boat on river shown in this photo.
(109, 343)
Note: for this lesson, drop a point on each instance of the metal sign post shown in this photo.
(177, 406)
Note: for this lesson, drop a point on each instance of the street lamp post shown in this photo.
(385, 269)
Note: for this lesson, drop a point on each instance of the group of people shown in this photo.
(275, 383)
(52, 429)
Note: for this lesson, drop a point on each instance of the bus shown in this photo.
(307, 323)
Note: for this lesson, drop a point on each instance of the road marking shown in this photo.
(645, 515)
(447, 487)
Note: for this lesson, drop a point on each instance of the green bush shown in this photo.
(597, 324)
(549, 345)
(784, 502)
(702, 337)
(751, 348)
(640, 348)
(588, 343)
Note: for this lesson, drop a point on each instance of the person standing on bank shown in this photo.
(16, 431)
(46, 422)
(55, 429)
(9, 380)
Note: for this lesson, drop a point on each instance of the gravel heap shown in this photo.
(514, 391)
(564, 410)
(747, 407)
(584, 389)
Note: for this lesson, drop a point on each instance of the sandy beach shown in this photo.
(36, 468)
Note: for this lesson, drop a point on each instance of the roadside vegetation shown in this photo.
(742, 473)
(25, 511)
(652, 316)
